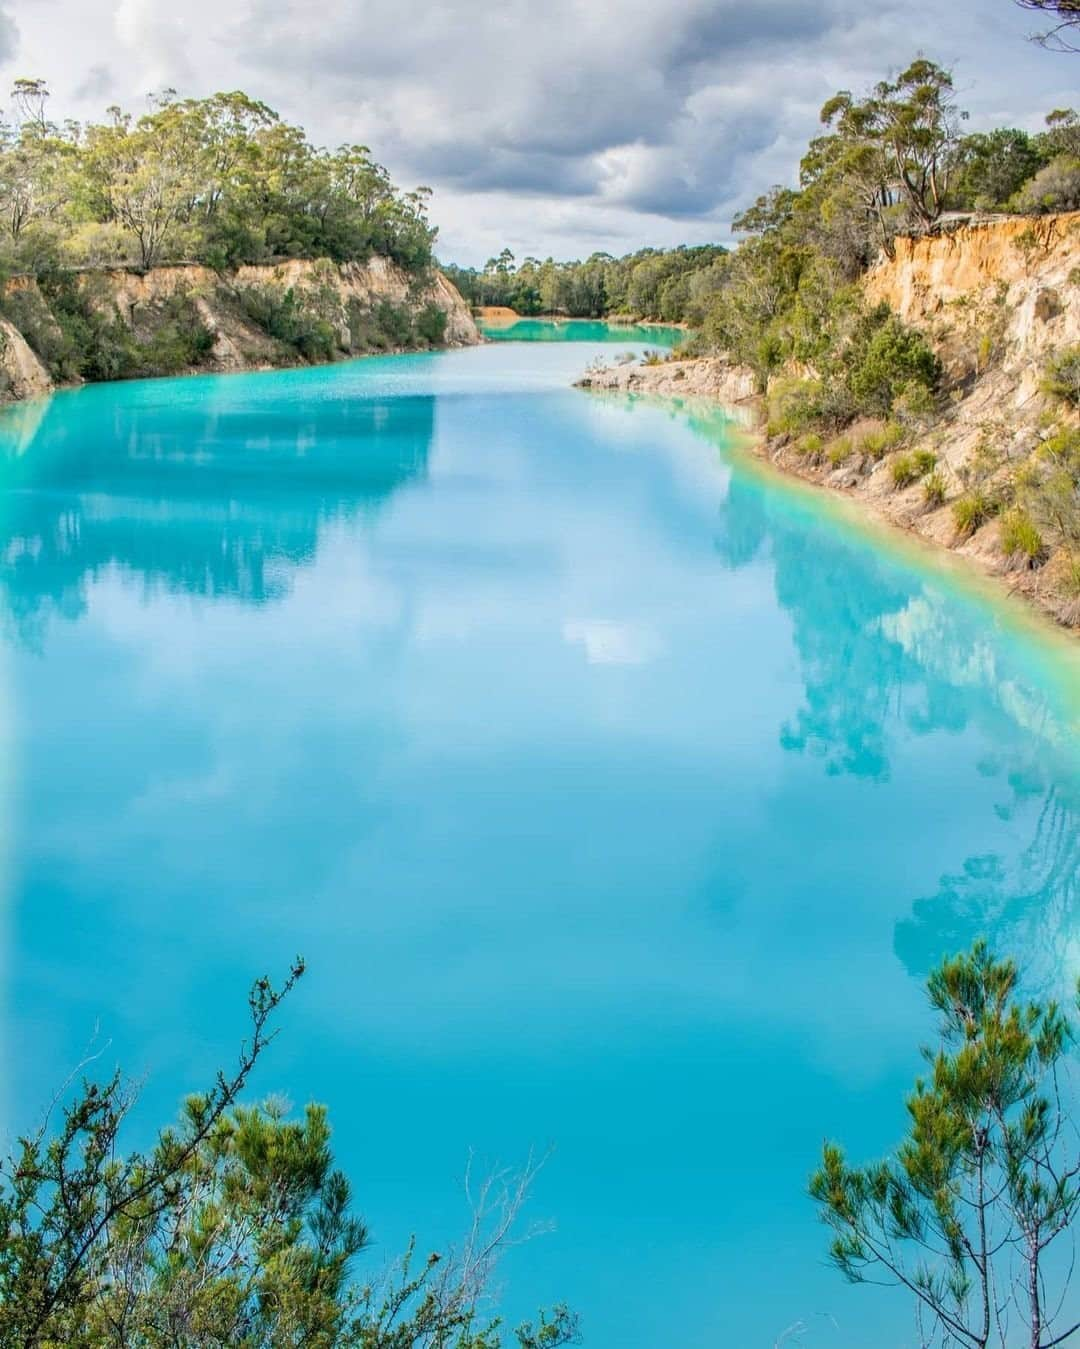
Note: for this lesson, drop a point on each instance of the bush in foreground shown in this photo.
(969, 1212)
(235, 1228)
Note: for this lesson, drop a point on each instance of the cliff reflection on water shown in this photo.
(906, 655)
(617, 795)
(218, 498)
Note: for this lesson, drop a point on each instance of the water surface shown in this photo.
(619, 795)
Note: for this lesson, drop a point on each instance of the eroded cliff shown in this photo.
(999, 300)
(189, 317)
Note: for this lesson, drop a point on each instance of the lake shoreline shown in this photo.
(715, 382)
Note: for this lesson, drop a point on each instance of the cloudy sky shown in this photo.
(558, 127)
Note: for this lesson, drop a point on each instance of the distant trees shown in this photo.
(665, 284)
(221, 180)
(969, 1212)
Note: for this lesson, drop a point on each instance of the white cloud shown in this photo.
(588, 125)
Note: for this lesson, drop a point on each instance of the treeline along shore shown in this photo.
(205, 234)
(905, 325)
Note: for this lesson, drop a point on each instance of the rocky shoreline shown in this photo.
(860, 477)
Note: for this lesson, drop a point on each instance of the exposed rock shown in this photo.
(997, 297)
(238, 343)
(22, 374)
(707, 377)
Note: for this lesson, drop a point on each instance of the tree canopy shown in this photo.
(221, 180)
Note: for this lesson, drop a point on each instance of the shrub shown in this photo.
(1062, 376)
(904, 470)
(885, 438)
(972, 510)
(71, 326)
(1054, 188)
(909, 468)
(283, 315)
(934, 489)
(914, 406)
(885, 358)
(793, 406)
(1020, 537)
(839, 450)
(1049, 486)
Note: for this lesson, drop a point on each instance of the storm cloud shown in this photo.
(557, 128)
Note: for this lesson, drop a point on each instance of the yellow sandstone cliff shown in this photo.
(238, 343)
(998, 298)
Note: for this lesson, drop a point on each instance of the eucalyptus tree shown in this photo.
(973, 1213)
(1064, 15)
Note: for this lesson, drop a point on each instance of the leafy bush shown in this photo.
(886, 357)
(55, 344)
(1020, 537)
(934, 489)
(431, 324)
(793, 406)
(909, 468)
(972, 510)
(282, 315)
(1054, 188)
(839, 450)
(810, 447)
(914, 406)
(879, 442)
(1062, 376)
(72, 327)
(1049, 487)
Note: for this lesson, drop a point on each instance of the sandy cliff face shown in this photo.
(1002, 294)
(22, 374)
(240, 344)
(997, 299)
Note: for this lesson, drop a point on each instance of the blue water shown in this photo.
(619, 795)
(639, 337)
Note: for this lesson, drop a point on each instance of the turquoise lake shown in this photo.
(618, 793)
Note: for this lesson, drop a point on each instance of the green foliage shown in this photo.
(1054, 188)
(71, 324)
(910, 467)
(964, 1213)
(1020, 537)
(671, 285)
(810, 447)
(935, 489)
(972, 510)
(282, 314)
(1061, 377)
(886, 358)
(915, 405)
(882, 439)
(794, 405)
(991, 167)
(1048, 487)
(839, 450)
(430, 325)
(233, 1228)
(222, 180)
